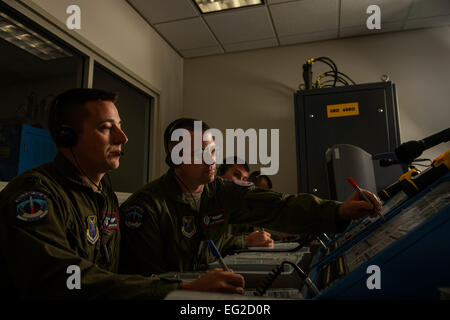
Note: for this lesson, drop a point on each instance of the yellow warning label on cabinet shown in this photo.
(343, 110)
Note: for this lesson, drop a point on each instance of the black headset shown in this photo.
(222, 169)
(176, 124)
(64, 136)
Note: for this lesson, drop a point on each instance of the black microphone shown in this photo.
(410, 150)
(436, 138)
(388, 162)
(122, 153)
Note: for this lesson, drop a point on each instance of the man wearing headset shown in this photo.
(62, 217)
(167, 221)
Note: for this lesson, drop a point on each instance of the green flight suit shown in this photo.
(162, 233)
(50, 219)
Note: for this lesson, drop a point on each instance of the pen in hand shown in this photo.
(363, 196)
(217, 254)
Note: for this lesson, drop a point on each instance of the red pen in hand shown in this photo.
(357, 188)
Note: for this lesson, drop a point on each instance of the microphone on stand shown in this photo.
(410, 150)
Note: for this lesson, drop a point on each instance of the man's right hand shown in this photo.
(217, 280)
(356, 207)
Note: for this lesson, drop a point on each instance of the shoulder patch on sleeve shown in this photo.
(31, 206)
(243, 183)
(133, 217)
(31, 180)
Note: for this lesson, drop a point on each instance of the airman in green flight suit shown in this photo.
(166, 223)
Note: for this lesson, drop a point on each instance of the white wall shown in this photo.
(114, 27)
(255, 89)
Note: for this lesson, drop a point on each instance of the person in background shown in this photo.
(241, 235)
(261, 181)
(264, 182)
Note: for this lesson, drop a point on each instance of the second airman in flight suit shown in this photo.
(166, 222)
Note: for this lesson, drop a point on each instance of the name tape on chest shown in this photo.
(213, 218)
(110, 221)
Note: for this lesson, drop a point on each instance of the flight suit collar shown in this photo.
(69, 171)
(209, 189)
(174, 191)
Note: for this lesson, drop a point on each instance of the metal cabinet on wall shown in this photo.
(362, 115)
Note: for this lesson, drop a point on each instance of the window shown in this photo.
(34, 68)
(134, 110)
(36, 65)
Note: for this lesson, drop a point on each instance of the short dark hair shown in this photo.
(256, 177)
(225, 166)
(67, 107)
(181, 123)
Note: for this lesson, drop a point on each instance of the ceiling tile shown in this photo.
(241, 25)
(305, 16)
(354, 12)
(198, 52)
(156, 11)
(362, 30)
(294, 21)
(428, 22)
(278, 1)
(308, 37)
(249, 45)
(429, 8)
(187, 34)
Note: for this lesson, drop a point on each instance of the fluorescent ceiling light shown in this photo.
(28, 40)
(206, 6)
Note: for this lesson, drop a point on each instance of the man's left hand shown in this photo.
(259, 239)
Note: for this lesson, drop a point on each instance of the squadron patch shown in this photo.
(92, 230)
(31, 206)
(31, 180)
(189, 228)
(243, 183)
(133, 217)
(213, 218)
(110, 221)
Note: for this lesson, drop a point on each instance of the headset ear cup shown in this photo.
(221, 170)
(167, 135)
(66, 137)
(170, 163)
